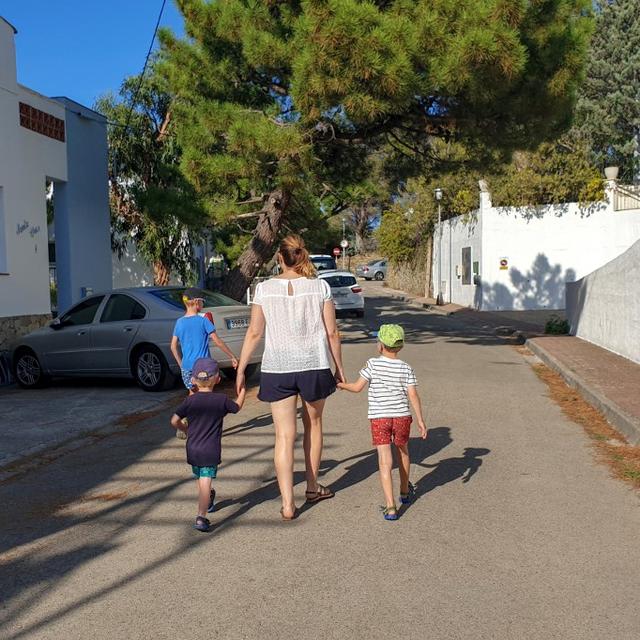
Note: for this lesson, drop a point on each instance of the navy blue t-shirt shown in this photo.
(193, 333)
(205, 412)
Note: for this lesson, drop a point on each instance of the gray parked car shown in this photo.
(125, 333)
(374, 270)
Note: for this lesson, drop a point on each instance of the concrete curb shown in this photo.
(413, 301)
(628, 425)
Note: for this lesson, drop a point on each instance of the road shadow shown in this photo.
(365, 464)
(446, 471)
(420, 326)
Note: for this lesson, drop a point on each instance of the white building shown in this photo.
(504, 259)
(58, 140)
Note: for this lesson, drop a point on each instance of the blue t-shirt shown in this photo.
(193, 333)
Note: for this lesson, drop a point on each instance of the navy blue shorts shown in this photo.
(310, 385)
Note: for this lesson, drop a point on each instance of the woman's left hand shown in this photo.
(240, 381)
(339, 376)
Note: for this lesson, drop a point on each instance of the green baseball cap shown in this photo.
(391, 335)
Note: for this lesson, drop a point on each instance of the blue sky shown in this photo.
(83, 49)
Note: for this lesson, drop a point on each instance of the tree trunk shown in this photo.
(428, 287)
(161, 274)
(261, 247)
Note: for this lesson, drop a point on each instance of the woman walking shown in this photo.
(301, 344)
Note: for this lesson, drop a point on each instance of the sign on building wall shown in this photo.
(504, 264)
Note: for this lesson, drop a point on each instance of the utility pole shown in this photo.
(343, 244)
(438, 195)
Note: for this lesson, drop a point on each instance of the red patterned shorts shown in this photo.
(384, 430)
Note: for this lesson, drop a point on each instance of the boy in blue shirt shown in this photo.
(191, 337)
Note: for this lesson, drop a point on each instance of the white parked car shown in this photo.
(347, 293)
(323, 262)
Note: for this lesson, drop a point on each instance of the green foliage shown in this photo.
(396, 235)
(556, 325)
(152, 203)
(555, 173)
(608, 108)
(294, 96)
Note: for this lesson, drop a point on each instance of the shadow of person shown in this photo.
(365, 464)
(449, 470)
(437, 439)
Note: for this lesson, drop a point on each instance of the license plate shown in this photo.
(237, 323)
(339, 294)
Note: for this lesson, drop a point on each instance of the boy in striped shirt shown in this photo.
(392, 387)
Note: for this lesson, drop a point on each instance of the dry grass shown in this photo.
(612, 449)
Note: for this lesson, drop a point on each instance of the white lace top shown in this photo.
(295, 337)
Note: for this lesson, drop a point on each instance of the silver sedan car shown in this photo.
(125, 333)
(374, 270)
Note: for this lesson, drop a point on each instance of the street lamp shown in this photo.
(438, 194)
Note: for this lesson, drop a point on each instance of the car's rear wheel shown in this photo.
(28, 370)
(151, 371)
(379, 275)
(249, 372)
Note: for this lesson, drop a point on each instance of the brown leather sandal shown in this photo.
(322, 493)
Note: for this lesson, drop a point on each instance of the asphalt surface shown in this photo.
(516, 531)
(37, 420)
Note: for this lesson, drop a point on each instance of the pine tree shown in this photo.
(271, 97)
(608, 109)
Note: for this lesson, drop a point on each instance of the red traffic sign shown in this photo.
(337, 251)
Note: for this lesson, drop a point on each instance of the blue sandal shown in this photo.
(202, 524)
(389, 513)
(407, 498)
(212, 506)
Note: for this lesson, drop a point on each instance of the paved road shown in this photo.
(66, 412)
(516, 533)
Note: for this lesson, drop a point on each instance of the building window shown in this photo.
(41, 122)
(466, 265)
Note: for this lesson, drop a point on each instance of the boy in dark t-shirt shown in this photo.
(205, 412)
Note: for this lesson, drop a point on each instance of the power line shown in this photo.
(146, 63)
(140, 80)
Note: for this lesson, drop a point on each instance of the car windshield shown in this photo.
(340, 281)
(211, 298)
(373, 262)
(324, 264)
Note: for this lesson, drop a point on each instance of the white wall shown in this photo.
(26, 159)
(457, 233)
(560, 244)
(131, 270)
(604, 306)
(543, 247)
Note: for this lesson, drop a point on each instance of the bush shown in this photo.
(557, 325)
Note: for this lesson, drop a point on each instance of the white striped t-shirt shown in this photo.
(389, 380)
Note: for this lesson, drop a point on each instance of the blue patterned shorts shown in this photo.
(204, 472)
(186, 378)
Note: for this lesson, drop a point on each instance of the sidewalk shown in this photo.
(606, 380)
